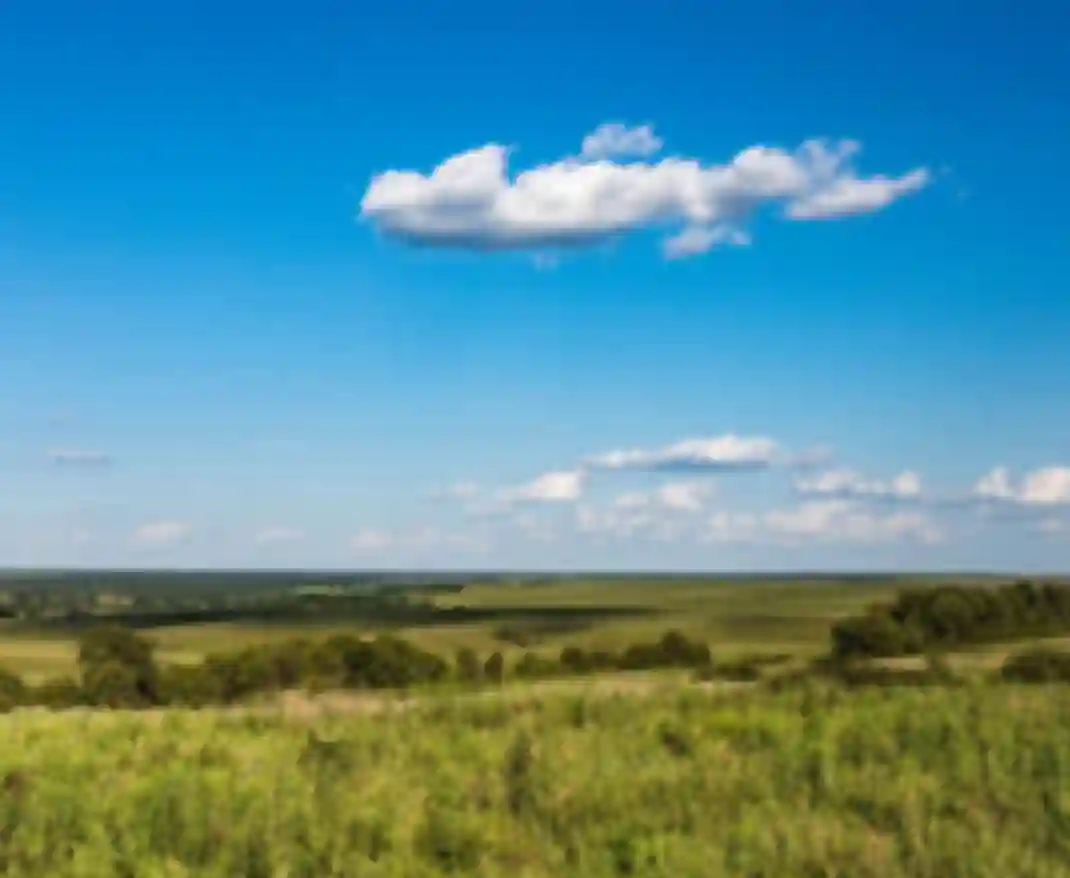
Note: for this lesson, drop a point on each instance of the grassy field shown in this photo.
(734, 617)
(677, 782)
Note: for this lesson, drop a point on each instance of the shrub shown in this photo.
(1038, 665)
(494, 668)
(12, 690)
(117, 663)
(57, 693)
(468, 666)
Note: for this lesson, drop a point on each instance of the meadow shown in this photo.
(734, 616)
(815, 781)
(897, 761)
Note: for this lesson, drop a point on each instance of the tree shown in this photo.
(112, 684)
(494, 668)
(469, 667)
(12, 690)
(111, 645)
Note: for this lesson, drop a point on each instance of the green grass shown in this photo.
(970, 782)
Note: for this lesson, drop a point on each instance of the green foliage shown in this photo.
(868, 783)
(57, 693)
(949, 616)
(1037, 665)
(468, 667)
(118, 668)
(12, 691)
(673, 650)
(494, 668)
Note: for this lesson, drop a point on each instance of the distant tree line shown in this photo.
(935, 619)
(117, 668)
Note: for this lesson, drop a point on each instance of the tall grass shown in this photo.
(971, 781)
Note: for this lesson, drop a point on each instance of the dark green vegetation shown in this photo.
(117, 666)
(950, 617)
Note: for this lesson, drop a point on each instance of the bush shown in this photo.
(494, 668)
(57, 693)
(673, 650)
(1038, 665)
(742, 671)
(12, 690)
(468, 666)
(117, 665)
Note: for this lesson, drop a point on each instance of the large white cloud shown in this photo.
(718, 453)
(846, 483)
(471, 201)
(1047, 486)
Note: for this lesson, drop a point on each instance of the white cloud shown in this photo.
(470, 201)
(561, 486)
(420, 539)
(614, 139)
(851, 196)
(826, 521)
(694, 240)
(619, 523)
(160, 534)
(279, 534)
(671, 497)
(78, 457)
(847, 483)
(371, 541)
(729, 452)
(1048, 486)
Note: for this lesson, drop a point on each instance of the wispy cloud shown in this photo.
(160, 534)
(79, 457)
(847, 483)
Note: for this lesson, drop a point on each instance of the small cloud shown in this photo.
(614, 139)
(671, 497)
(79, 457)
(823, 521)
(846, 483)
(1047, 486)
(717, 454)
(695, 240)
(371, 541)
(276, 535)
(560, 486)
(160, 534)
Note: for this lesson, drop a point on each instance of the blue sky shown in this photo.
(341, 286)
